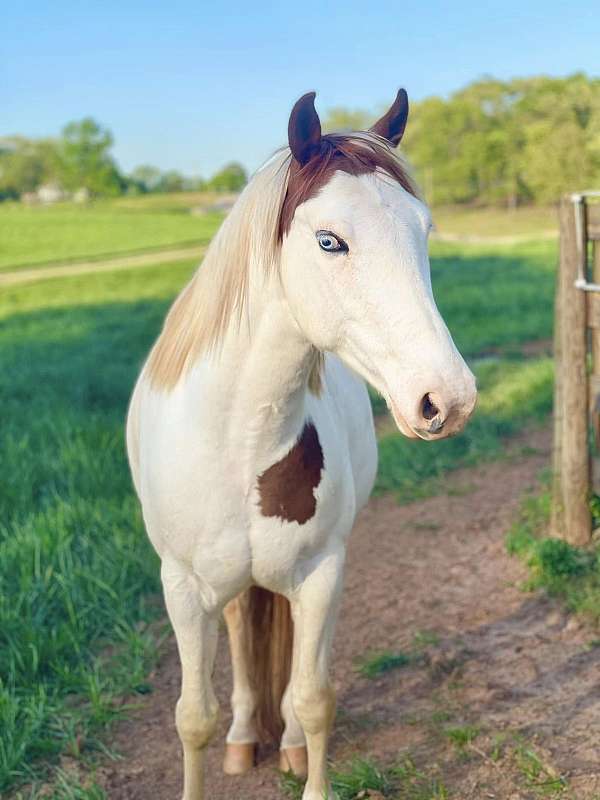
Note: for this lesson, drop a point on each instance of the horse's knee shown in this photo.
(314, 706)
(194, 727)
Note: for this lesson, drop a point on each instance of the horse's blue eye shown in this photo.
(331, 243)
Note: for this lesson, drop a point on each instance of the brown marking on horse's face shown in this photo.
(337, 153)
(287, 489)
(316, 158)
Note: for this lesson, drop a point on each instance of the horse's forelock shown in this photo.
(354, 154)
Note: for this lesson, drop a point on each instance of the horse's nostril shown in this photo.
(429, 408)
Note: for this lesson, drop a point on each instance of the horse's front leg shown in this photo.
(196, 631)
(315, 609)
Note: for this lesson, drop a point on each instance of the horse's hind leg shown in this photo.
(240, 750)
(196, 632)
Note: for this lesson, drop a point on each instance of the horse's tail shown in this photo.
(269, 635)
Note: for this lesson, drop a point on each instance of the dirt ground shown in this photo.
(511, 667)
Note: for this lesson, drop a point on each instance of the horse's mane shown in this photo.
(250, 239)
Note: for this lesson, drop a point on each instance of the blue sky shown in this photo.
(192, 85)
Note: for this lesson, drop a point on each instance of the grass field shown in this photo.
(493, 222)
(78, 579)
(75, 570)
(31, 236)
(38, 235)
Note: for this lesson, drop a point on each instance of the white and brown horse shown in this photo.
(250, 433)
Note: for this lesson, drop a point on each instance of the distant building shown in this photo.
(51, 193)
(82, 195)
(30, 198)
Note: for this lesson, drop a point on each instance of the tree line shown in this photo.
(80, 158)
(495, 142)
(514, 142)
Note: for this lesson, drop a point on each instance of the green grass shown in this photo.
(571, 573)
(373, 665)
(76, 571)
(37, 235)
(65, 786)
(78, 578)
(461, 736)
(495, 298)
(465, 221)
(355, 779)
(539, 777)
(170, 201)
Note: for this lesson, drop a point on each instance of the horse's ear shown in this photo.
(391, 126)
(304, 129)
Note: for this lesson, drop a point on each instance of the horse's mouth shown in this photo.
(401, 422)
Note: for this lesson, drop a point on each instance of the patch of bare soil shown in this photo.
(510, 667)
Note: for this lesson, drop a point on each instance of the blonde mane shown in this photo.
(248, 239)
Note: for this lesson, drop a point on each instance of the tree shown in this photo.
(341, 120)
(86, 160)
(507, 142)
(26, 164)
(232, 178)
(171, 181)
(146, 178)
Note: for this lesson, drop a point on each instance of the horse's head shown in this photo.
(355, 270)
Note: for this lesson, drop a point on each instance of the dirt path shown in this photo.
(107, 265)
(497, 659)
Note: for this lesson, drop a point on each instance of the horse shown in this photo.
(250, 433)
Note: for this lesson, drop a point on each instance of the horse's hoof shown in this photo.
(294, 759)
(239, 758)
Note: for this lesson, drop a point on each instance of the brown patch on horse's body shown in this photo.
(337, 152)
(286, 489)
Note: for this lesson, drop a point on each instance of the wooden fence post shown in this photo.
(571, 513)
(557, 519)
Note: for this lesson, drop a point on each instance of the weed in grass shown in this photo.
(375, 664)
(65, 786)
(413, 784)
(540, 777)
(561, 569)
(362, 776)
(423, 639)
(555, 558)
(461, 736)
(441, 715)
(291, 785)
(498, 746)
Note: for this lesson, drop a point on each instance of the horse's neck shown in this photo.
(266, 364)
